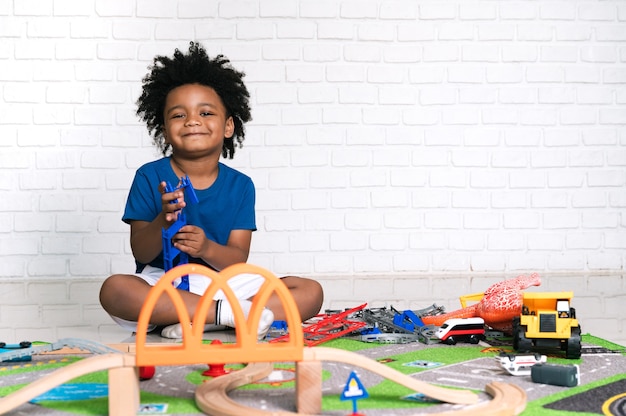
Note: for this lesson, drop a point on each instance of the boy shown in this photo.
(196, 108)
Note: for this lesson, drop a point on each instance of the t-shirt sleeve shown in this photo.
(245, 218)
(141, 204)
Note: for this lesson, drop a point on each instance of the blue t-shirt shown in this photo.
(226, 205)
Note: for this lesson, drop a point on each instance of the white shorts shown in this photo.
(244, 285)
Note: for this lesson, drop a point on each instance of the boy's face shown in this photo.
(195, 120)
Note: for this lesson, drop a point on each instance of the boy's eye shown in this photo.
(206, 113)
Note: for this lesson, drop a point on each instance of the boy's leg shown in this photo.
(226, 318)
(123, 296)
(307, 293)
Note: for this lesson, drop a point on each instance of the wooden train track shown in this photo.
(212, 396)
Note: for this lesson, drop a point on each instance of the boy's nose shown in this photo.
(192, 121)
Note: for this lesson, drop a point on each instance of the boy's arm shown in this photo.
(146, 237)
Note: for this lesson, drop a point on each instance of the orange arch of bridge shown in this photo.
(246, 348)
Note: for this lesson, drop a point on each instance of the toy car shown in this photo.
(519, 364)
(547, 322)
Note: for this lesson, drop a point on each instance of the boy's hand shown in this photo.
(191, 240)
(170, 208)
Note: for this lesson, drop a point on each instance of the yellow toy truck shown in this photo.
(547, 322)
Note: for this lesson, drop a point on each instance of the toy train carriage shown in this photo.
(470, 330)
(547, 322)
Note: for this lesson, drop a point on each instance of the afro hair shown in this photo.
(193, 67)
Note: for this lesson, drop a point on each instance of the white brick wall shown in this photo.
(404, 152)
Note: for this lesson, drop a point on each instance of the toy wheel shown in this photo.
(25, 344)
(473, 339)
(3, 344)
(515, 332)
(520, 342)
(450, 341)
(573, 344)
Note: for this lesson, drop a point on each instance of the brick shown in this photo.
(116, 51)
(469, 199)
(564, 54)
(566, 179)
(197, 9)
(215, 31)
(156, 8)
(573, 33)
(505, 74)
(521, 220)
(296, 30)
(576, 116)
(430, 199)
(62, 314)
(238, 9)
(411, 32)
(319, 9)
(548, 159)
(22, 314)
(480, 53)
(605, 261)
(606, 178)
(597, 137)
(76, 50)
(107, 8)
(582, 74)
(613, 75)
(477, 11)
(505, 241)
(517, 11)
(597, 12)
(552, 221)
(441, 221)
(465, 242)
(589, 199)
(549, 200)
(33, 8)
(352, 9)
(437, 96)
(596, 220)
(30, 222)
(488, 263)
(532, 32)
(557, 10)
(402, 219)
(583, 240)
(547, 74)
(442, 52)
(496, 32)
(521, 53)
(425, 240)
(487, 180)
(362, 53)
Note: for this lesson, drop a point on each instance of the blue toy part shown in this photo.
(10, 348)
(185, 185)
(169, 251)
(408, 320)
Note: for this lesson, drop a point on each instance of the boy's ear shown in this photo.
(229, 128)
